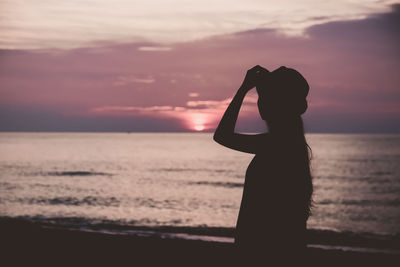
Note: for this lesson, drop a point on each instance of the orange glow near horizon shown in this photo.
(198, 121)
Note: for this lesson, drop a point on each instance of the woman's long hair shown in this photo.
(292, 145)
(307, 170)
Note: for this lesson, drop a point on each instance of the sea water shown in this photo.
(188, 180)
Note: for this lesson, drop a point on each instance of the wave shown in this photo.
(377, 179)
(222, 184)
(382, 173)
(174, 204)
(71, 201)
(164, 204)
(362, 202)
(76, 173)
(190, 170)
(10, 186)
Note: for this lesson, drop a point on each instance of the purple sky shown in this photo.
(352, 67)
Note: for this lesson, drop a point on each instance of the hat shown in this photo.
(286, 88)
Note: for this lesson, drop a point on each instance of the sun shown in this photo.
(197, 121)
(199, 128)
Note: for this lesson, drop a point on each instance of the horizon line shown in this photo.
(195, 132)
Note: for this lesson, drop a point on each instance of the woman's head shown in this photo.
(282, 94)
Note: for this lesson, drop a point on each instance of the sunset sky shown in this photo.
(96, 65)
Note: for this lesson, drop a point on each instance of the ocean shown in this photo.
(186, 180)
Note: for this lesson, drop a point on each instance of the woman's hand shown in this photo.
(252, 76)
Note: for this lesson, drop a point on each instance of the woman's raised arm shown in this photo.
(225, 132)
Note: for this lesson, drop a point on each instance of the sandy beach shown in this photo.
(25, 242)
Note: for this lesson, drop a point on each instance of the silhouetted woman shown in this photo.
(277, 192)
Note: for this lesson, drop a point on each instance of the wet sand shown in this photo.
(35, 244)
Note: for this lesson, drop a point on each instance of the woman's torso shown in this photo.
(273, 197)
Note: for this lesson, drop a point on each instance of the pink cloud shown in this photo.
(350, 75)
